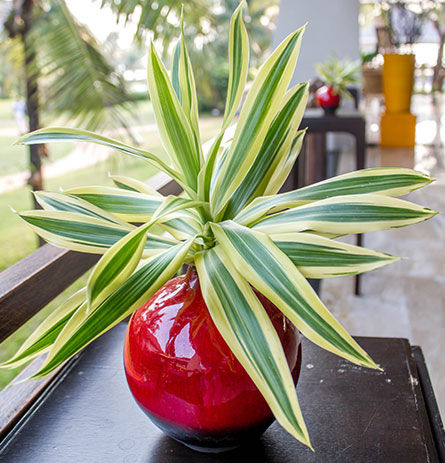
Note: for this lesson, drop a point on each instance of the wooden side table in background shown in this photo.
(311, 164)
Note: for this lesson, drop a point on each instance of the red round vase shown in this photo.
(185, 378)
(327, 98)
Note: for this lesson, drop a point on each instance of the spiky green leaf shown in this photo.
(131, 184)
(116, 265)
(248, 331)
(276, 145)
(383, 181)
(183, 82)
(175, 130)
(77, 232)
(259, 109)
(60, 134)
(85, 326)
(272, 273)
(342, 215)
(46, 333)
(319, 257)
(285, 164)
(238, 64)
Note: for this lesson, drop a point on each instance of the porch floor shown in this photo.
(405, 299)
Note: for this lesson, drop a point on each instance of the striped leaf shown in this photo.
(246, 328)
(77, 232)
(46, 333)
(259, 109)
(174, 203)
(85, 326)
(52, 201)
(342, 215)
(238, 64)
(130, 206)
(60, 134)
(187, 218)
(181, 225)
(131, 184)
(175, 130)
(116, 265)
(318, 257)
(276, 146)
(183, 82)
(206, 173)
(387, 181)
(213, 153)
(74, 231)
(384, 181)
(285, 164)
(272, 273)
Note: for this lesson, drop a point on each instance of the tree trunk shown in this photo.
(438, 76)
(36, 152)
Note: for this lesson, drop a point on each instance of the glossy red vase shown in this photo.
(327, 98)
(185, 378)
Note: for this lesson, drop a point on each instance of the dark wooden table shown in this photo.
(353, 414)
(317, 122)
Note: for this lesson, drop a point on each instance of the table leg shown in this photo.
(315, 158)
(360, 147)
(357, 289)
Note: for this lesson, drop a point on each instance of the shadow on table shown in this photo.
(168, 450)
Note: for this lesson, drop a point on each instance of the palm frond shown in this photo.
(70, 58)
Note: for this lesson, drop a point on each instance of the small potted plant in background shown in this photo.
(336, 75)
(214, 355)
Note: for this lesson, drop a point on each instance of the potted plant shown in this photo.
(213, 355)
(336, 75)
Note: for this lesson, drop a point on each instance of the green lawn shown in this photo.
(17, 240)
(6, 117)
(15, 158)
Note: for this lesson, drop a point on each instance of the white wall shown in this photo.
(333, 26)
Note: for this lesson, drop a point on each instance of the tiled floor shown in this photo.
(405, 299)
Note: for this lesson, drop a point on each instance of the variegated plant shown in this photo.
(230, 223)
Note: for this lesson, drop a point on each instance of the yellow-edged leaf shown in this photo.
(272, 273)
(175, 130)
(259, 109)
(85, 326)
(245, 326)
(319, 257)
(46, 333)
(342, 215)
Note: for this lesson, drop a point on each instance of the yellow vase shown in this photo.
(398, 79)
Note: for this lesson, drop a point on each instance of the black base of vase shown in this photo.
(330, 110)
(223, 441)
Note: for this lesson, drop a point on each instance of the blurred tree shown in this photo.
(435, 11)
(11, 68)
(52, 45)
(206, 31)
(84, 85)
(406, 23)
